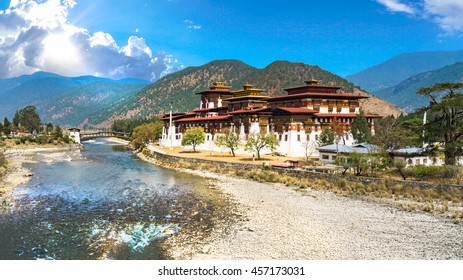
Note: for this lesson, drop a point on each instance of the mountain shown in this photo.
(46, 90)
(177, 89)
(79, 104)
(402, 67)
(404, 94)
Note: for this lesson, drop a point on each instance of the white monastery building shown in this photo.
(296, 119)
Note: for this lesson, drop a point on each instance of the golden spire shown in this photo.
(312, 81)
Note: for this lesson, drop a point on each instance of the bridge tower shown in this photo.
(74, 133)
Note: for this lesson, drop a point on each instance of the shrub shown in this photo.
(342, 183)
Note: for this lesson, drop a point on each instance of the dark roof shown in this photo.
(315, 95)
(249, 111)
(220, 91)
(211, 109)
(313, 86)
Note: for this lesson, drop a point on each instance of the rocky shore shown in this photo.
(280, 222)
(17, 174)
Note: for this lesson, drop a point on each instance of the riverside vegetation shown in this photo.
(446, 201)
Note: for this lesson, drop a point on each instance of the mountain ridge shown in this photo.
(177, 89)
(401, 67)
(404, 93)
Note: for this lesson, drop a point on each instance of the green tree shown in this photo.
(58, 132)
(360, 129)
(194, 136)
(356, 161)
(445, 122)
(146, 133)
(230, 141)
(6, 126)
(257, 142)
(28, 118)
(327, 137)
(49, 128)
(16, 119)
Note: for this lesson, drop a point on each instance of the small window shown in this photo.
(425, 161)
(417, 161)
(316, 137)
(286, 138)
(410, 162)
(299, 138)
(326, 157)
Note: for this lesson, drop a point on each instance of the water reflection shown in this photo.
(101, 203)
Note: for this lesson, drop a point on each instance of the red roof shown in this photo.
(216, 118)
(314, 94)
(177, 116)
(297, 110)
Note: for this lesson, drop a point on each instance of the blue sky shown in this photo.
(147, 39)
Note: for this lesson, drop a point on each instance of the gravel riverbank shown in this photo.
(282, 223)
(17, 174)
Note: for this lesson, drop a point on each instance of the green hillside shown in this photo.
(402, 67)
(404, 94)
(78, 104)
(63, 100)
(178, 89)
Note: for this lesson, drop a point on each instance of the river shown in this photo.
(104, 203)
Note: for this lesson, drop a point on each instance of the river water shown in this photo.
(103, 203)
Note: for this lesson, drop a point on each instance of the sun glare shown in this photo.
(60, 51)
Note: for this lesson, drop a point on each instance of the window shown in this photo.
(316, 137)
(325, 157)
(286, 138)
(410, 162)
(425, 161)
(299, 138)
(417, 161)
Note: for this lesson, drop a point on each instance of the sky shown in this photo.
(149, 39)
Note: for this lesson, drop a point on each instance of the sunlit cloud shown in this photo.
(37, 36)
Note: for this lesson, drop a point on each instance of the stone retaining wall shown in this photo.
(333, 178)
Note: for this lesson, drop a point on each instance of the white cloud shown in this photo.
(37, 36)
(448, 14)
(397, 6)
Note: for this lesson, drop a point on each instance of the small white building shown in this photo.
(329, 153)
(419, 156)
(74, 134)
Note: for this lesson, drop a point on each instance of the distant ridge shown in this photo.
(402, 67)
(404, 94)
(177, 89)
(46, 90)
